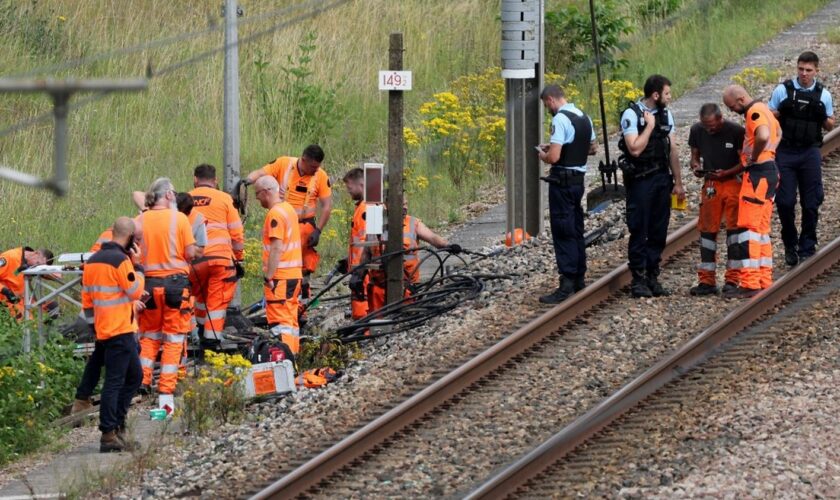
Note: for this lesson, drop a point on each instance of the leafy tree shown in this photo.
(569, 37)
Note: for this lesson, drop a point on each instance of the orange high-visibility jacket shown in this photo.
(302, 191)
(225, 235)
(281, 223)
(11, 266)
(411, 260)
(759, 114)
(106, 236)
(164, 237)
(110, 285)
(357, 236)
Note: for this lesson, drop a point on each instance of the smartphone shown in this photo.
(538, 148)
(130, 242)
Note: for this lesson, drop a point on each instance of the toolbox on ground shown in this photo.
(275, 377)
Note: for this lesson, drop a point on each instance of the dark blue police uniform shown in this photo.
(648, 181)
(801, 114)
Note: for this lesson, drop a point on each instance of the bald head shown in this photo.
(123, 231)
(267, 190)
(736, 98)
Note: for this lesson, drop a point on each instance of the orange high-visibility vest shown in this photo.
(281, 223)
(357, 236)
(759, 114)
(165, 235)
(301, 191)
(225, 235)
(110, 285)
(411, 261)
(106, 236)
(11, 265)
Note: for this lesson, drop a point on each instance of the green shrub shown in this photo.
(34, 388)
(568, 38)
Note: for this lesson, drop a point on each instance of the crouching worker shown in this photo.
(111, 289)
(414, 231)
(12, 263)
(281, 262)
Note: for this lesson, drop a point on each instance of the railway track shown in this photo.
(752, 322)
(565, 325)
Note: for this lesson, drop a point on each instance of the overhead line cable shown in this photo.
(176, 66)
(155, 44)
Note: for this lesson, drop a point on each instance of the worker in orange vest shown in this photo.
(715, 156)
(354, 181)
(414, 231)
(12, 263)
(167, 246)
(305, 185)
(282, 263)
(758, 188)
(215, 274)
(111, 289)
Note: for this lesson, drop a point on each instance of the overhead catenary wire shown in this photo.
(158, 43)
(184, 63)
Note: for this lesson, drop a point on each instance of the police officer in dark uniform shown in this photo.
(647, 128)
(572, 140)
(804, 108)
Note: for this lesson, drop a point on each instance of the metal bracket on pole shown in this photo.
(60, 91)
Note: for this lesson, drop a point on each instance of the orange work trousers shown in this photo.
(213, 285)
(754, 257)
(718, 202)
(281, 311)
(359, 306)
(308, 254)
(377, 297)
(164, 325)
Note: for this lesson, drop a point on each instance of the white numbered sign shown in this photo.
(395, 80)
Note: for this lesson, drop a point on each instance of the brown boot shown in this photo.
(128, 443)
(110, 442)
(80, 405)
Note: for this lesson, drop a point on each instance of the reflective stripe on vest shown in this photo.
(175, 263)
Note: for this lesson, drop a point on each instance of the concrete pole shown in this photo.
(231, 98)
(230, 147)
(394, 244)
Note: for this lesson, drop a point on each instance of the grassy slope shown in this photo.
(123, 142)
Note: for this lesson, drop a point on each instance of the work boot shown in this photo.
(728, 287)
(639, 286)
(656, 288)
(703, 289)
(563, 292)
(144, 390)
(110, 442)
(81, 405)
(580, 283)
(128, 443)
(791, 257)
(742, 293)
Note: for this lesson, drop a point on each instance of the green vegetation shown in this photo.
(34, 388)
(831, 35)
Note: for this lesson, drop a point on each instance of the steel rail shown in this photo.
(410, 411)
(673, 366)
(505, 481)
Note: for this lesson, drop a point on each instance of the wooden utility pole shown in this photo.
(394, 264)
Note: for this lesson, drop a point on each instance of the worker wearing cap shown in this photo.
(758, 188)
(111, 289)
(804, 109)
(167, 246)
(12, 264)
(715, 156)
(215, 274)
(282, 263)
(305, 185)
